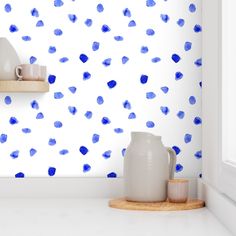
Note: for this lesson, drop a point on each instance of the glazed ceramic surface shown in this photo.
(147, 168)
(8, 60)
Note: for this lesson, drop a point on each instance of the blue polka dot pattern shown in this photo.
(108, 76)
(51, 171)
(86, 168)
(7, 7)
(83, 150)
(20, 175)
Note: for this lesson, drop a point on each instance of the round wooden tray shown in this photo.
(121, 203)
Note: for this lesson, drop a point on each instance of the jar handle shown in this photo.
(172, 162)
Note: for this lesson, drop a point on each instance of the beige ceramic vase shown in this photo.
(147, 168)
(8, 60)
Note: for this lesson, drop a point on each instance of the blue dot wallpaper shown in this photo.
(113, 67)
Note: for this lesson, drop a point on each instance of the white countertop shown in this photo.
(90, 217)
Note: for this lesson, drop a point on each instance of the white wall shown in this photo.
(155, 108)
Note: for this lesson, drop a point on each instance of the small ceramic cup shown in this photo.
(28, 72)
(178, 190)
(42, 73)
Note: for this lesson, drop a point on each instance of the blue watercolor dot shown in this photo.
(83, 150)
(86, 75)
(63, 59)
(165, 89)
(88, 22)
(111, 84)
(100, 100)
(178, 75)
(165, 18)
(107, 62)
(197, 120)
(13, 121)
(187, 46)
(7, 7)
(13, 28)
(118, 130)
(32, 152)
(150, 32)
(198, 62)
(187, 138)
(58, 95)
(26, 130)
(34, 12)
(72, 18)
(15, 154)
(107, 154)
(39, 116)
(156, 59)
(72, 110)
(198, 154)
(143, 79)
(3, 138)
(165, 110)
(144, 49)
(123, 152)
(7, 100)
(58, 124)
(52, 49)
(200, 175)
(58, 32)
(118, 38)
(51, 171)
(181, 22)
(200, 83)
(63, 152)
(150, 3)
(26, 38)
(197, 28)
(132, 23)
(176, 149)
(40, 23)
(127, 104)
(95, 138)
(84, 58)
(105, 28)
(86, 168)
(52, 142)
(100, 7)
(51, 79)
(132, 115)
(124, 59)
(150, 95)
(58, 3)
(72, 89)
(32, 59)
(20, 175)
(34, 104)
(178, 168)
(105, 120)
(192, 7)
(111, 175)
(127, 12)
(88, 114)
(176, 58)
(150, 124)
(192, 100)
(95, 46)
(181, 114)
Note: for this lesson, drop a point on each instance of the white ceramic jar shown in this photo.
(147, 168)
(8, 60)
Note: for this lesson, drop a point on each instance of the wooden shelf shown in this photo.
(23, 86)
(121, 203)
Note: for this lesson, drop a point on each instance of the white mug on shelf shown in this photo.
(28, 72)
